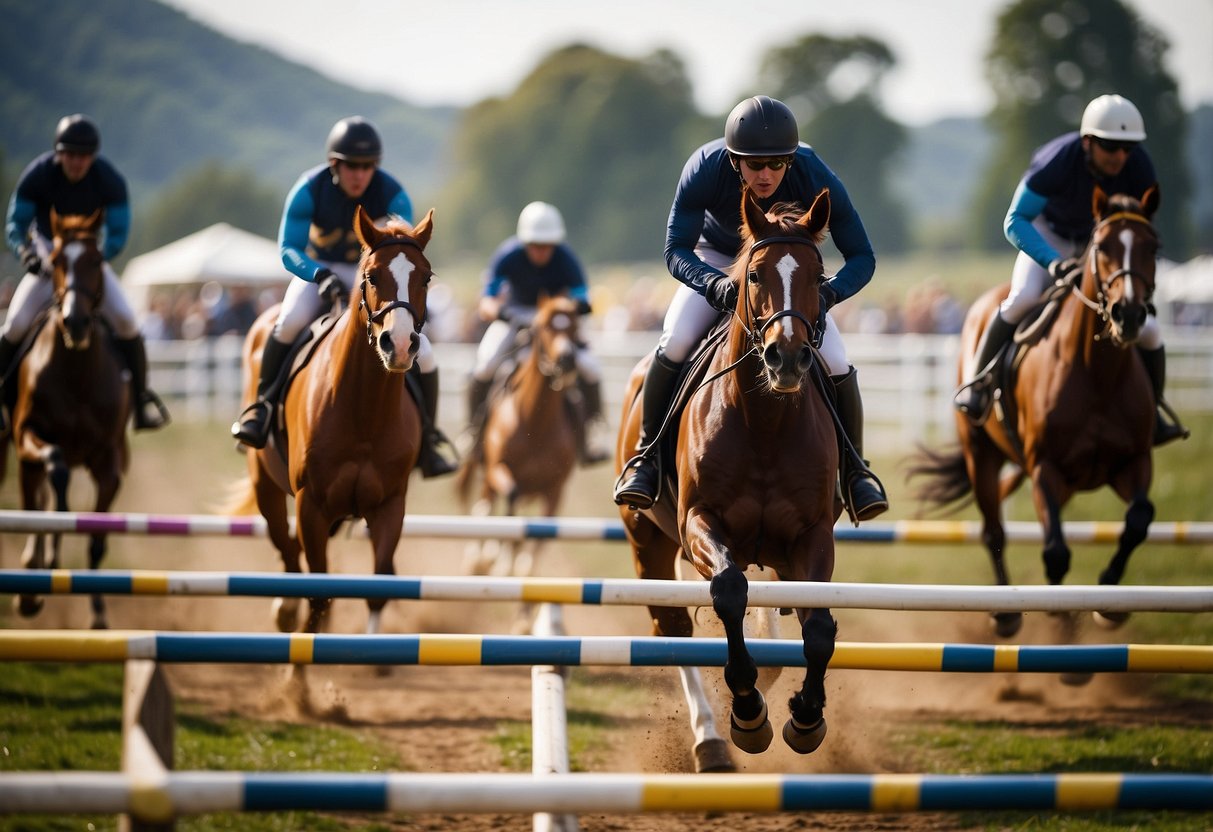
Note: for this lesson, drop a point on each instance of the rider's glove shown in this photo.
(31, 260)
(721, 293)
(1062, 270)
(583, 307)
(828, 297)
(330, 286)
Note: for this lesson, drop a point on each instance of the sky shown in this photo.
(461, 51)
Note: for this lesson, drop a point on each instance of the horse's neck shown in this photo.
(1083, 336)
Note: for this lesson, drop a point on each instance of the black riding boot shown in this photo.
(149, 412)
(253, 426)
(8, 387)
(1167, 426)
(588, 452)
(864, 493)
(437, 453)
(640, 478)
(974, 397)
(477, 410)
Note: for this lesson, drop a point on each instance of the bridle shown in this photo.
(376, 317)
(94, 298)
(756, 327)
(1100, 304)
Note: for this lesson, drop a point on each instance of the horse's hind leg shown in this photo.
(984, 462)
(806, 729)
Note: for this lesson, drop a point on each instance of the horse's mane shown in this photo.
(785, 215)
(1123, 202)
(398, 226)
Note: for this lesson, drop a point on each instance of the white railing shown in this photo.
(907, 380)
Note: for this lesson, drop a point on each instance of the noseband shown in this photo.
(376, 317)
(760, 327)
(1100, 305)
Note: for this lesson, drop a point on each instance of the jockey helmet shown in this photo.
(761, 126)
(77, 134)
(354, 139)
(1113, 117)
(541, 224)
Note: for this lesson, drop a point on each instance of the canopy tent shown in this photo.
(221, 254)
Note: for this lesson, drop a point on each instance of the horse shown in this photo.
(530, 435)
(1078, 409)
(349, 431)
(756, 461)
(72, 399)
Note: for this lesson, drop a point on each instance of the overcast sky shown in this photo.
(460, 51)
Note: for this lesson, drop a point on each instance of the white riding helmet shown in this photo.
(541, 223)
(1113, 117)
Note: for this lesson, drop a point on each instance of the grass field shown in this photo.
(66, 717)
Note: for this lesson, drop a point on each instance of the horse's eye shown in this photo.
(752, 277)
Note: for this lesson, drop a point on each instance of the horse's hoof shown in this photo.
(286, 614)
(100, 624)
(383, 670)
(28, 606)
(712, 756)
(1076, 680)
(1110, 620)
(804, 740)
(1006, 624)
(752, 736)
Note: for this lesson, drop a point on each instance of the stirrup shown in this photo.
(252, 428)
(1167, 427)
(975, 399)
(438, 456)
(875, 506)
(161, 417)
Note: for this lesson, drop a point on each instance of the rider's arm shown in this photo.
(1026, 206)
(292, 233)
(17, 221)
(117, 228)
(401, 206)
(851, 240)
(578, 287)
(691, 201)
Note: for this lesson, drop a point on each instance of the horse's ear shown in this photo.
(1099, 203)
(423, 229)
(1150, 200)
(364, 228)
(752, 215)
(818, 215)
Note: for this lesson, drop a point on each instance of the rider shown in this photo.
(319, 246)
(536, 260)
(761, 151)
(1050, 222)
(73, 179)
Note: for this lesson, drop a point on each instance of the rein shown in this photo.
(373, 318)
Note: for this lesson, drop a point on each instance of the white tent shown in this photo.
(221, 254)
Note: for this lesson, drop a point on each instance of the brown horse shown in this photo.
(1080, 405)
(529, 440)
(349, 432)
(756, 464)
(72, 400)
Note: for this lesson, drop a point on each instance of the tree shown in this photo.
(601, 137)
(1047, 61)
(833, 86)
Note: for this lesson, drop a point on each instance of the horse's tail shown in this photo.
(947, 478)
(240, 499)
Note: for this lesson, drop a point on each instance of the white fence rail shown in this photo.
(907, 380)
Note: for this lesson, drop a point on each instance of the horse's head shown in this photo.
(554, 339)
(393, 281)
(1120, 265)
(781, 268)
(77, 275)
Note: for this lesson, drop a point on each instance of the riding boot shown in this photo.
(149, 412)
(641, 475)
(253, 426)
(1167, 426)
(590, 453)
(863, 491)
(8, 387)
(478, 411)
(975, 396)
(437, 455)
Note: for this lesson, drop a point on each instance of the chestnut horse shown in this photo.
(349, 431)
(72, 399)
(529, 440)
(756, 465)
(1080, 405)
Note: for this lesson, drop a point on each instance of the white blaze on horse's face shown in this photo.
(402, 323)
(786, 268)
(1126, 240)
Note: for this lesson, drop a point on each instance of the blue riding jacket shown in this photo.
(43, 186)
(318, 220)
(510, 267)
(1059, 185)
(707, 203)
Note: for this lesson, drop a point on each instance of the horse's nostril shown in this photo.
(772, 357)
(385, 342)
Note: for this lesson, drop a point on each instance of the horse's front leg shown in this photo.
(33, 498)
(1049, 494)
(750, 728)
(271, 502)
(385, 524)
(806, 728)
(107, 478)
(313, 528)
(1134, 488)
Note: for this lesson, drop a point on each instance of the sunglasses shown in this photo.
(1112, 146)
(778, 163)
(360, 165)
